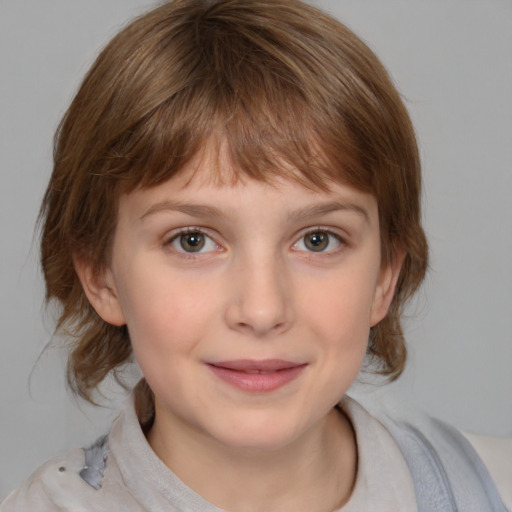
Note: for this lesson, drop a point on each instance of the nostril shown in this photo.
(258, 325)
(260, 303)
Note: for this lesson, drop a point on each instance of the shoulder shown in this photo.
(496, 454)
(57, 483)
(80, 480)
(440, 457)
(450, 470)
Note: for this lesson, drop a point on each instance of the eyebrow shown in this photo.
(194, 210)
(200, 210)
(329, 207)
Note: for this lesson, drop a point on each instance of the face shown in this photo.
(248, 306)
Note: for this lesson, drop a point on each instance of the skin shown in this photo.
(258, 289)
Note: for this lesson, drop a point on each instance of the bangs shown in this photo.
(266, 128)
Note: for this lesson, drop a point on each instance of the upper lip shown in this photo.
(264, 365)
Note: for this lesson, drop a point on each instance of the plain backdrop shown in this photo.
(452, 60)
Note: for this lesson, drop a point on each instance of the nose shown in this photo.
(260, 301)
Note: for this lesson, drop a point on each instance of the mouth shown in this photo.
(257, 376)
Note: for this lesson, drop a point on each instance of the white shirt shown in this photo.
(136, 480)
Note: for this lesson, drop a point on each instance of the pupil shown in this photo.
(317, 241)
(192, 242)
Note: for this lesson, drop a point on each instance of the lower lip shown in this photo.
(257, 382)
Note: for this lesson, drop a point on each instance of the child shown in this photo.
(235, 203)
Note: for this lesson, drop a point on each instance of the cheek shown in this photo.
(340, 330)
(163, 339)
(341, 309)
(339, 317)
(163, 312)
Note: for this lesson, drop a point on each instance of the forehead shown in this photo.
(211, 185)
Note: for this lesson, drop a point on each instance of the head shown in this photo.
(280, 90)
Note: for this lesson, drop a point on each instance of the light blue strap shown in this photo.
(431, 484)
(466, 453)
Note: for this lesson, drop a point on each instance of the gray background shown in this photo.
(453, 62)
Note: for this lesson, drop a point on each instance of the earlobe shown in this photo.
(385, 290)
(100, 291)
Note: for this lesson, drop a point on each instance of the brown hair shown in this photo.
(278, 81)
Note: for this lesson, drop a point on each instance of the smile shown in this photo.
(257, 376)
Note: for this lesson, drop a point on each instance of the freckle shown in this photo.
(62, 468)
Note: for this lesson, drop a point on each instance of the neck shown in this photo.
(315, 472)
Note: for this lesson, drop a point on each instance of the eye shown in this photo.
(318, 240)
(193, 241)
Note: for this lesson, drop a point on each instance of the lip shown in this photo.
(257, 376)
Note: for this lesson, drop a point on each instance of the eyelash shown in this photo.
(184, 231)
(197, 230)
(331, 234)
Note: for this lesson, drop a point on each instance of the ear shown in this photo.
(386, 285)
(101, 292)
